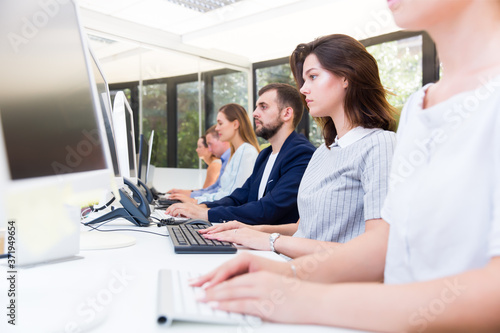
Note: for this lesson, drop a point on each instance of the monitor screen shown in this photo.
(47, 102)
(142, 162)
(124, 134)
(149, 175)
(105, 102)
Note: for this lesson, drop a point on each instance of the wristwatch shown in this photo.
(272, 238)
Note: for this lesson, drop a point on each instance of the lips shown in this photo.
(393, 3)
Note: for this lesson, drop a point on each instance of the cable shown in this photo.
(106, 205)
(96, 228)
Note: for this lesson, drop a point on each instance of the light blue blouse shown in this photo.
(238, 169)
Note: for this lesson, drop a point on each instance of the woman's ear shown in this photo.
(345, 82)
(236, 124)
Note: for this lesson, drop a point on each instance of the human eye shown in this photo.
(313, 76)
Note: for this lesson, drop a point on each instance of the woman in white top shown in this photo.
(438, 251)
(233, 126)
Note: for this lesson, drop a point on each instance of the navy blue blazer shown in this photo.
(278, 205)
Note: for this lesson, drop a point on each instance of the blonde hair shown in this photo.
(234, 112)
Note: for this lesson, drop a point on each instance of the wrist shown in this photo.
(272, 240)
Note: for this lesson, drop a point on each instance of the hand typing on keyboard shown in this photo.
(179, 301)
(260, 287)
(190, 210)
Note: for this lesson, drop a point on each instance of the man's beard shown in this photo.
(270, 130)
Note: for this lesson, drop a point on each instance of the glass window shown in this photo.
(280, 73)
(265, 75)
(187, 124)
(400, 67)
(154, 117)
(229, 88)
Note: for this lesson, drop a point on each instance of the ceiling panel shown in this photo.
(237, 35)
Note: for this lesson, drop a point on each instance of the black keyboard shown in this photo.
(165, 203)
(186, 239)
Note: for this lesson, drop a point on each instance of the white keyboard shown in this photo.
(177, 301)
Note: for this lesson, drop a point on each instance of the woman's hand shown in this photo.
(179, 191)
(248, 237)
(188, 210)
(182, 197)
(223, 227)
(270, 296)
(243, 263)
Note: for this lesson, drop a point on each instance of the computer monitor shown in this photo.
(149, 171)
(105, 101)
(144, 160)
(123, 123)
(54, 155)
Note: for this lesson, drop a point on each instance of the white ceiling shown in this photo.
(156, 38)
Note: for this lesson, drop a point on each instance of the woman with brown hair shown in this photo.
(213, 163)
(345, 184)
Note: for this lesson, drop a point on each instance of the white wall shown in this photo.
(165, 179)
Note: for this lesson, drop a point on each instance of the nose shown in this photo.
(304, 90)
(254, 113)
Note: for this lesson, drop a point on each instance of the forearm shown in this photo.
(295, 247)
(360, 260)
(468, 302)
(284, 229)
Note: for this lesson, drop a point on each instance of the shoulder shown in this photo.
(380, 137)
(298, 144)
(378, 146)
(248, 150)
(215, 165)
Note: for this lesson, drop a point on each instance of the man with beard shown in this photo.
(269, 195)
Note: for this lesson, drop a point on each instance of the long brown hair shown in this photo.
(365, 102)
(234, 112)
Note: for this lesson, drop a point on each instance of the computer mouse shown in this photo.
(198, 222)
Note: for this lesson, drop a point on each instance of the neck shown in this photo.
(237, 141)
(208, 159)
(341, 123)
(468, 46)
(280, 137)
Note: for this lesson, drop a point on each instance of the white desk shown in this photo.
(112, 291)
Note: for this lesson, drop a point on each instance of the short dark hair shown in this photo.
(204, 140)
(287, 96)
(365, 102)
(211, 130)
